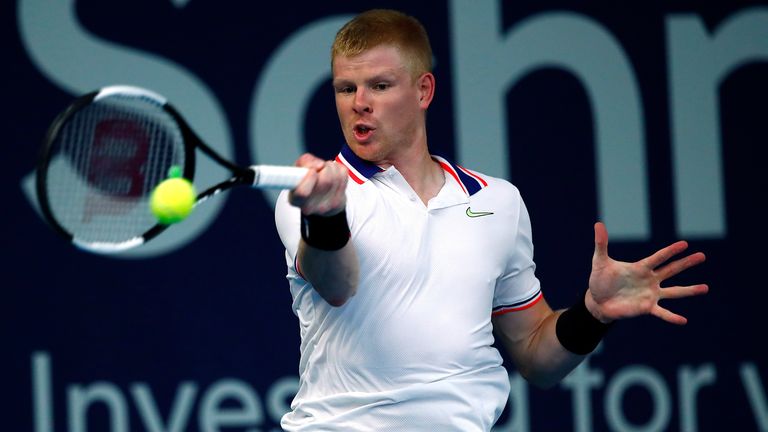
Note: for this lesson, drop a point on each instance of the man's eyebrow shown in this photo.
(340, 82)
(387, 75)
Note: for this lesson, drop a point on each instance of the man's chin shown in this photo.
(364, 150)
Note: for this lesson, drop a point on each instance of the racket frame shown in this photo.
(190, 140)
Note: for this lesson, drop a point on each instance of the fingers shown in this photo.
(331, 184)
(673, 293)
(680, 265)
(299, 195)
(681, 292)
(308, 160)
(323, 189)
(663, 255)
(668, 316)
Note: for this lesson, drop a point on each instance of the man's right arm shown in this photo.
(334, 272)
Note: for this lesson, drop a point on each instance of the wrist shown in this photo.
(594, 309)
(327, 233)
(578, 330)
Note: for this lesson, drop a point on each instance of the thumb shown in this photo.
(601, 242)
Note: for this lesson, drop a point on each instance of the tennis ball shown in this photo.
(172, 200)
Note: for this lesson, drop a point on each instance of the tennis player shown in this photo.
(402, 264)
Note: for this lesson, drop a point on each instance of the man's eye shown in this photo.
(345, 90)
(380, 86)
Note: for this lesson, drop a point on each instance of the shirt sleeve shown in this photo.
(287, 221)
(518, 288)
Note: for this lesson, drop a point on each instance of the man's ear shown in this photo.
(426, 83)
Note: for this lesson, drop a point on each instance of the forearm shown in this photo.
(333, 274)
(546, 345)
(542, 359)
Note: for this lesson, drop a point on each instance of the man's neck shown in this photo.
(423, 174)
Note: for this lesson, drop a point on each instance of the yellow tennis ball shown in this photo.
(172, 200)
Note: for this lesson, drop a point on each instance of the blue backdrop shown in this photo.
(650, 117)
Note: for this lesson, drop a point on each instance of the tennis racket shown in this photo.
(103, 156)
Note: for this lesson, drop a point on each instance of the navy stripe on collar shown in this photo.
(362, 170)
(470, 182)
(362, 166)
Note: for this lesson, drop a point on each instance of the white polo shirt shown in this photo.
(412, 349)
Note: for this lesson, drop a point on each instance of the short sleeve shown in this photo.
(518, 287)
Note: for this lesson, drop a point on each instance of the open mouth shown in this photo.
(362, 131)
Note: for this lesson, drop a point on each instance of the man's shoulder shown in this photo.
(495, 185)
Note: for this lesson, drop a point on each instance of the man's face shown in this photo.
(379, 104)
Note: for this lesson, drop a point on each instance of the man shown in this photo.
(402, 264)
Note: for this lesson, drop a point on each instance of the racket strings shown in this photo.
(109, 156)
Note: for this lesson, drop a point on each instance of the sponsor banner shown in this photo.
(649, 117)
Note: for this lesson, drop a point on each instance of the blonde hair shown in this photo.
(386, 27)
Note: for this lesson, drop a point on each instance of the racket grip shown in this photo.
(277, 177)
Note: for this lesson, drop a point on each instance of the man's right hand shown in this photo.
(323, 190)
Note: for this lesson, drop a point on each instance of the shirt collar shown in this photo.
(361, 170)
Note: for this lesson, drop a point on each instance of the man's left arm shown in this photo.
(546, 345)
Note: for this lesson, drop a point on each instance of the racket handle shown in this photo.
(277, 177)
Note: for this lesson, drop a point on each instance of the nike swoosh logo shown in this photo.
(473, 214)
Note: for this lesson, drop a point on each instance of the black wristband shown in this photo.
(328, 233)
(578, 331)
